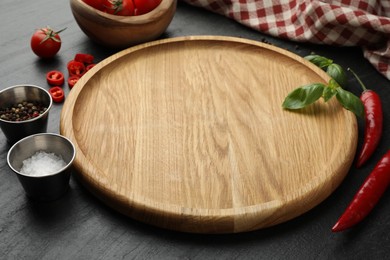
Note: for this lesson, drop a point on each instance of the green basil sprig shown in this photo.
(334, 70)
(304, 96)
(350, 102)
(308, 94)
(318, 60)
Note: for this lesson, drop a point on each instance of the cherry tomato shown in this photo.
(57, 94)
(72, 80)
(84, 58)
(119, 7)
(76, 68)
(45, 42)
(55, 78)
(145, 6)
(97, 4)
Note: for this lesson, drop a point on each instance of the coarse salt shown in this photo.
(42, 163)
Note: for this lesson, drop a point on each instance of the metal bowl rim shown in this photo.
(42, 134)
(35, 118)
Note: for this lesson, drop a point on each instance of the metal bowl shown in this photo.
(48, 186)
(16, 130)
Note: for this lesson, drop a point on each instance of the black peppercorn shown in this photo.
(22, 111)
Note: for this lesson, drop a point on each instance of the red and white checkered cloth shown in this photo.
(364, 23)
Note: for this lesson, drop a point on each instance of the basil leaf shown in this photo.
(328, 93)
(337, 73)
(303, 96)
(319, 61)
(333, 84)
(350, 102)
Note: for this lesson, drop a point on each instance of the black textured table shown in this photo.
(79, 226)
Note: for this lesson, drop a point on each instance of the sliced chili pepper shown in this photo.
(367, 196)
(72, 80)
(84, 58)
(55, 78)
(90, 66)
(76, 68)
(373, 122)
(57, 94)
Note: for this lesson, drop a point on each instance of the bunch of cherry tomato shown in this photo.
(124, 7)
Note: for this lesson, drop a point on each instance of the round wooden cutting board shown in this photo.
(189, 134)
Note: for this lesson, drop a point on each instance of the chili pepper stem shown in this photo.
(358, 79)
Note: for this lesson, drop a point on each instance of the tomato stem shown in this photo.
(57, 32)
(50, 34)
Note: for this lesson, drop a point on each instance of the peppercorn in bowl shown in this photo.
(110, 29)
(24, 110)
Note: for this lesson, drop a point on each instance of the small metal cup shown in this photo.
(14, 131)
(46, 187)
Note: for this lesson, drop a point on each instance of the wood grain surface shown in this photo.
(189, 134)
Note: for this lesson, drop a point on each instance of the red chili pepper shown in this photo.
(72, 80)
(55, 78)
(367, 196)
(57, 94)
(76, 68)
(84, 58)
(373, 122)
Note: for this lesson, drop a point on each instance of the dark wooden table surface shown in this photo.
(78, 226)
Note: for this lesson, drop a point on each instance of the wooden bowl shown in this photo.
(123, 31)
